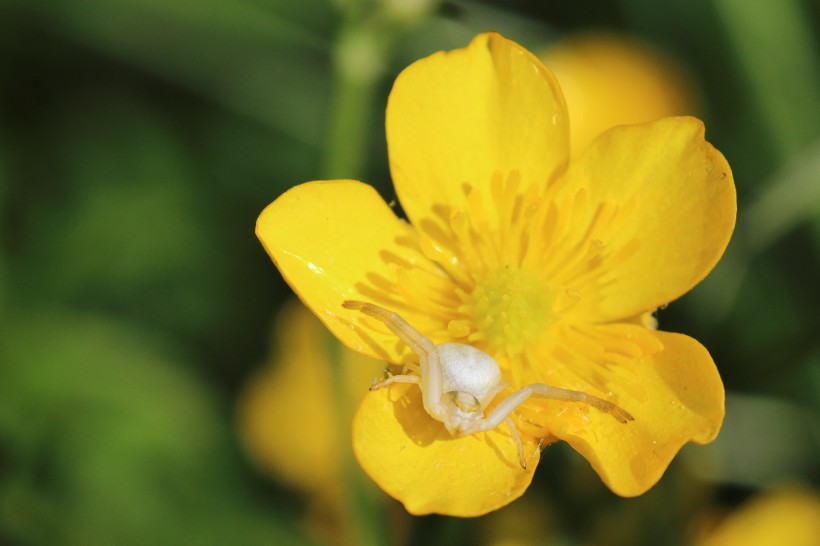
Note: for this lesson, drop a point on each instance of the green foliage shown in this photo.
(125, 226)
(108, 439)
(2, 261)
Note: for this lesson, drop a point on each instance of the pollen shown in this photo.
(511, 309)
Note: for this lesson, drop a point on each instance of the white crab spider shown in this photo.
(459, 381)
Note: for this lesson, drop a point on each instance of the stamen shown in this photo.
(512, 308)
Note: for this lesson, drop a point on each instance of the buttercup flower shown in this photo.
(297, 390)
(789, 515)
(553, 269)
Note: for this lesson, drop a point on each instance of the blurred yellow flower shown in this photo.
(552, 270)
(786, 516)
(294, 413)
(611, 80)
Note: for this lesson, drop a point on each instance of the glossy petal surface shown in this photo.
(414, 459)
(456, 118)
(675, 395)
(338, 240)
(660, 202)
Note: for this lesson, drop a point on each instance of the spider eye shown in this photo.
(464, 401)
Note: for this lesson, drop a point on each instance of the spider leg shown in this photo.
(412, 337)
(501, 413)
(411, 368)
(545, 391)
(517, 439)
(492, 394)
(394, 379)
(509, 404)
(431, 381)
(503, 410)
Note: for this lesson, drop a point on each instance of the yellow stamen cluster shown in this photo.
(511, 309)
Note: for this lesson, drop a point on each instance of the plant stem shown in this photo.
(363, 502)
(358, 67)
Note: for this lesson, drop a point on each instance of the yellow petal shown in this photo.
(338, 240)
(455, 118)
(414, 459)
(295, 391)
(675, 395)
(787, 516)
(269, 404)
(659, 202)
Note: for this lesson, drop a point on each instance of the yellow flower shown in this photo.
(553, 270)
(786, 516)
(611, 80)
(294, 415)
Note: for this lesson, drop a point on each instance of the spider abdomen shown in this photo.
(468, 370)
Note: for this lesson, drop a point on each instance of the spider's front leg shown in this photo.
(509, 404)
(545, 391)
(503, 411)
(430, 381)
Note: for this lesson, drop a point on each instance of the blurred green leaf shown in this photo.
(124, 227)
(790, 197)
(250, 166)
(777, 54)
(811, 388)
(2, 223)
(764, 441)
(106, 439)
(268, 61)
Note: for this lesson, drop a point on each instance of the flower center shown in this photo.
(511, 308)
